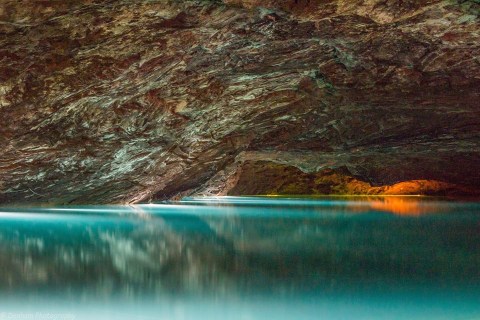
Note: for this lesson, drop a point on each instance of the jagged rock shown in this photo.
(126, 101)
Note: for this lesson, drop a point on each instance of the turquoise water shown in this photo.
(243, 258)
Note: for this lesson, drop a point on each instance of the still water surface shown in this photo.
(243, 258)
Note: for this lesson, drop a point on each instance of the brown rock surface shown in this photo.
(268, 178)
(126, 101)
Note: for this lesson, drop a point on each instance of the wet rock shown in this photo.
(127, 101)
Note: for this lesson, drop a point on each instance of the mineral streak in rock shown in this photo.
(115, 101)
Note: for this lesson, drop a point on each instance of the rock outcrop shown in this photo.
(119, 101)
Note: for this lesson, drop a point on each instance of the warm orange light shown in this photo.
(399, 205)
(403, 206)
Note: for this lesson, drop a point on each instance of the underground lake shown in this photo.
(239, 159)
(243, 258)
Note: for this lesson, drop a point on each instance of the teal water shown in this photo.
(243, 258)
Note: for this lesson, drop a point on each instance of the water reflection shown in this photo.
(239, 247)
(399, 205)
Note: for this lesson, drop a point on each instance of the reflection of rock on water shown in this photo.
(156, 257)
(249, 247)
(118, 259)
(402, 206)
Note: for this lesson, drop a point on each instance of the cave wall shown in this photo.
(123, 101)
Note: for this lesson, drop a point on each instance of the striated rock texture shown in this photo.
(127, 101)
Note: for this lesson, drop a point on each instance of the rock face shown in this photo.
(279, 179)
(128, 101)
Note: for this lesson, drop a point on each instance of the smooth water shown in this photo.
(243, 258)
